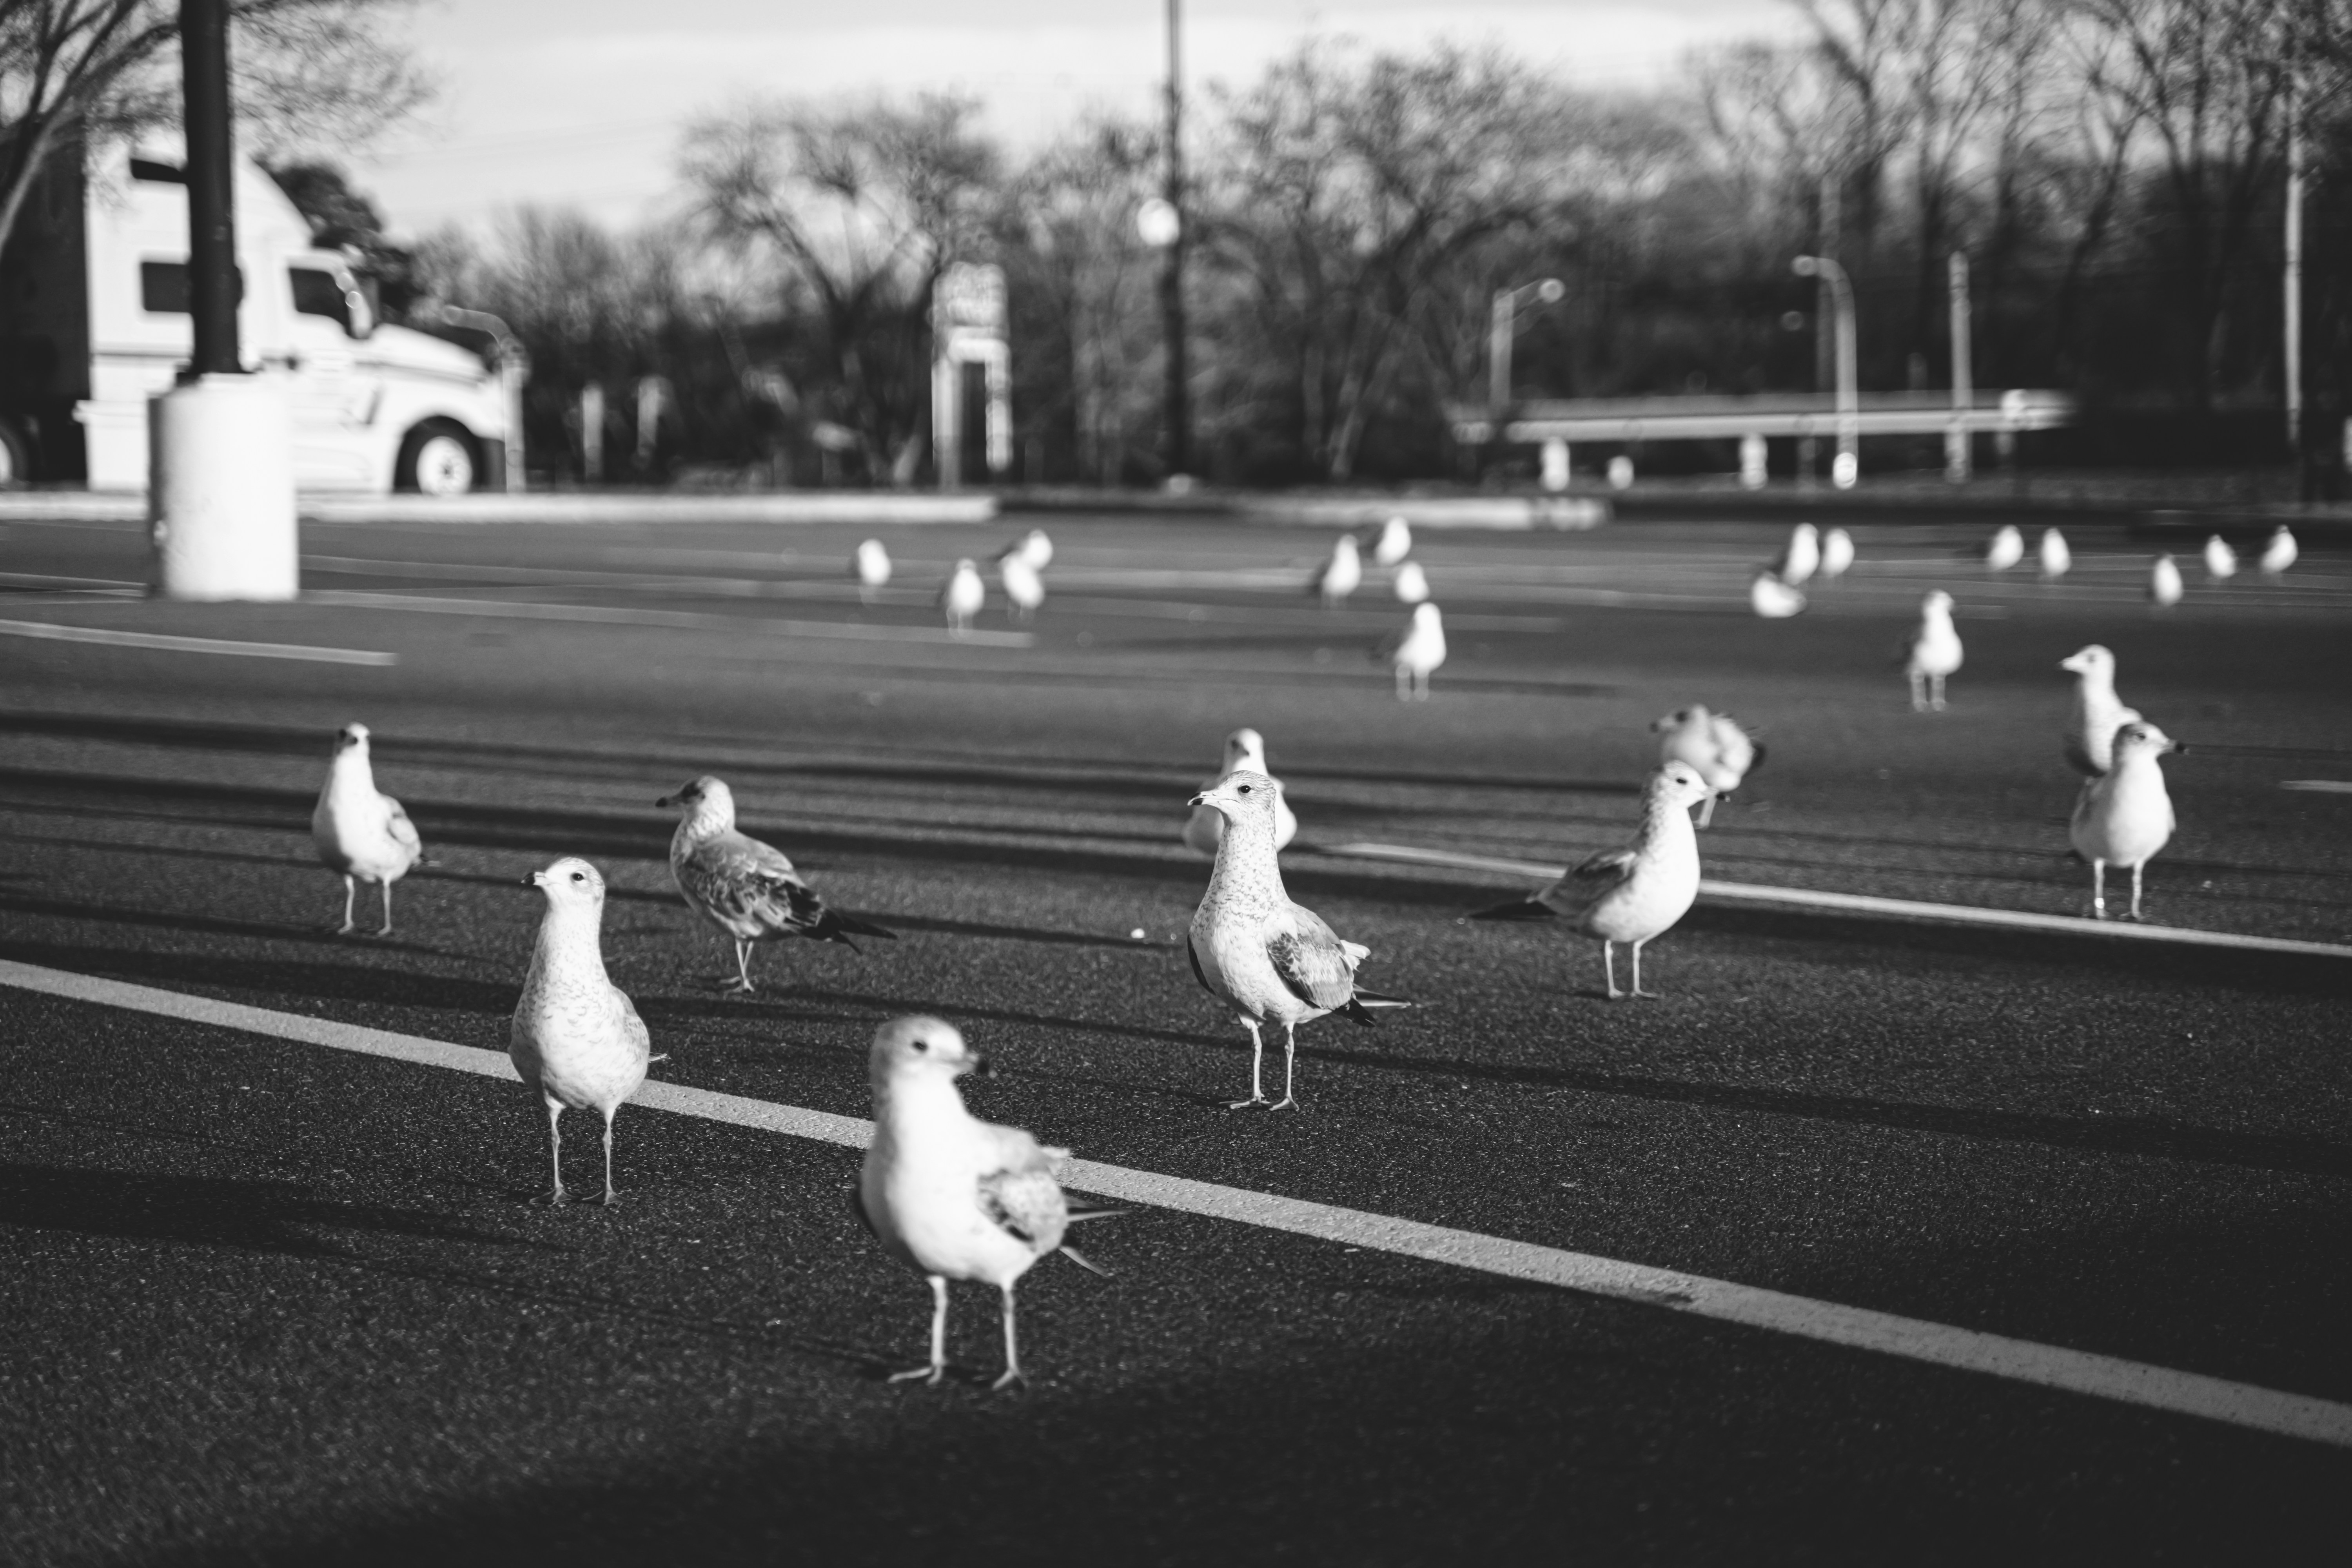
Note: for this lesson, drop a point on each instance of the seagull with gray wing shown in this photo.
(362, 833)
(576, 1040)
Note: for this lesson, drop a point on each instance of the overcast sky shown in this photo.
(579, 102)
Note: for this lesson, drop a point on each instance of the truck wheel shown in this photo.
(437, 459)
(15, 455)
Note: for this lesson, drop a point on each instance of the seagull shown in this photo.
(1713, 746)
(2098, 714)
(2280, 552)
(1774, 599)
(747, 888)
(2005, 549)
(2220, 561)
(1412, 584)
(1245, 752)
(950, 1195)
(1394, 544)
(1933, 652)
(1415, 651)
(576, 1041)
(963, 596)
(1034, 548)
(1837, 555)
(2056, 559)
(1025, 590)
(1266, 958)
(362, 833)
(872, 566)
(1634, 894)
(1342, 574)
(1801, 557)
(2126, 817)
(2164, 582)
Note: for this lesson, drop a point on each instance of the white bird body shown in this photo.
(1411, 583)
(1933, 653)
(2056, 559)
(2220, 561)
(361, 834)
(2280, 552)
(1394, 544)
(1774, 599)
(1245, 752)
(2164, 587)
(1025, 590)
(872, 566)
(1342, 575)
(1037, 549)
(2005, 549)
(1271, 961)
(2097, 712)
(1837, 555)
(1415, 652)
(2124, 818)
(576, 1039)
(963, 596)
(948, 1194)
(1801, 557)
(1713, 746)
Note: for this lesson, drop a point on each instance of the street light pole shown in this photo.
(1503, 327)
(1172, 269)
(211, 213)
(1848, 466)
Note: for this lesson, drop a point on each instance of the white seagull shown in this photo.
(963, 596)
(2280, 552)
(1394, 544)
(2097, 712)
(1801, 557)
(363, 834)
(1634, 894)
(1411, 583)
(2005, 549)
(950, 1195)
(1415, 652)
(1245, 752)
(1035, 548)
(1774, 599)
(1025, 590)
(1268, 959)
(576, 1039)
(2056, 559)
(2125, 817)
(2220, 561)
(871, 565)
(1837, 555)
(1932, 653)
(1713, 746)
(2164, 588)
(747, 888)
(1342, 575)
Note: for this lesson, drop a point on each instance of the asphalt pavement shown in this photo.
(266, 1302)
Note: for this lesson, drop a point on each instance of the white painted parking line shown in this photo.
(1855, 1327)
(681, 620)
(108, 637)
(2318, 786)
(1754, 895)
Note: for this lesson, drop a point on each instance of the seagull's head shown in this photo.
(920, 1045)
(1241, 795)
(1677, 785)
(1936, 603)
(1681, 718)
(2143, 739)
(351, 738)
(1344, 545)
(570, 883)
(2092, 660)
(1246, 748)
(1425, 616)
(965, 567)
(705, 796)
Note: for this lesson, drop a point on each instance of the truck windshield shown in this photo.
(163, 287)
(318, 292)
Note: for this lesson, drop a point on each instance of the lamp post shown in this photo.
(1848, 466)
(1171, 269)
(1503, 328)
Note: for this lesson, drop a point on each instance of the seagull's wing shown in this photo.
(1018, 1193)
(1195, 957)
(2078, 756)
(1594, 877)
(631, 1025)
(1314, 964)
(403, 831)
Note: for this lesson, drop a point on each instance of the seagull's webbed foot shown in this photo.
(557, 1199)
(1246, 1104)
(346, 929)
(611, 1200)
(384, 929)
(1617, 995)
(1012, 1377)
(735, 985)
(1642, 994)
(932, 1376)
(1287, 1102)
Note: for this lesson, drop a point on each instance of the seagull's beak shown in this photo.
(666, 800)
(1198, 800)
(533, 880)
(2175, 748)
(982, 1066)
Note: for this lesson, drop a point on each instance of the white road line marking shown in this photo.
(1865, 904)
(683, 620)
(1856, 1328)
(2318, 786)
(106, 637)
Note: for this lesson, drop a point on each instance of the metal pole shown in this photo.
(212, 282)
(1499, 353)
(2294, 279)
(1849, 394)
(1171, 275)
(1824, 291)
(1958, 447)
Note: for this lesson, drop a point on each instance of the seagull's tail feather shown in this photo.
(663, 1057)
(1083, 1261)
(1079, 1216)
(1359, 1006)
(838, 927)
(1755, 756)
(1518, 910)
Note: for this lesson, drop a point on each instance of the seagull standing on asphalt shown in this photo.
(363, 834)
(747, 888)
(2125, 817)
(2220, 561)
(2097, 712)
(1415, 652)
(1837, 555)
(2056, 559)
(1025, 590)
(1037, 549)
(872, 566)
(2164, 588)
(1801, 557)
(1933, 652)
(2279, 554)
(1713, 746)
(1634, 894)
(1411, 583)
(1774, 599)
(1268, 959)
(950, 1195)
(1245, 752)
(963, 596)
(1342, 575)
(576, 1040)
(2005, 549)
(1394, 544)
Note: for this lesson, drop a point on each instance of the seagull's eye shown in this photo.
(578, 878)
(1244, 789)
(922, 1044)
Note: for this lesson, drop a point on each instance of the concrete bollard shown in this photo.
(1555, 465)
(220, 493)
(1752, 458)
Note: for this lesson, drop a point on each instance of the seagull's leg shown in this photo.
(1013, 1375)
(2135, 871)
(1608, 967)
(386, 929)
(1404, 684)
(555, 1198)
(1421, 678)
(2099, 889)
(351, 892)
(1289, 1055)
(1706, 811)
(1918, 694)
(1257, 1059)
(612, 1195)
(1637, 990)
(743, 981)
(939, 1367)
(1936, 685)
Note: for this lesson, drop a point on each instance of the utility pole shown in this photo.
(1959, 454)
(1824, 296)
(2294, 279)
(1172, 270)
(1847, 467)
(212, 282)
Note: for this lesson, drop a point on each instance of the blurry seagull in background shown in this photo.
(363, 834)
(1837, 555)
(2125, 817)
(1801, 557)
(1774, 599)
(1411, 583)
(1025, 590)
(1394, 544)
(1245, 752)
(963, 596)
(2164, 588)
(2280, 552)
(2005, 549)
(871, 566)
(1415, 652)
(576, 1040)
(1034, 547)
(2056, 559)
(1713, 746)
(2097, 712)
(1933, 652)
(1342, 575)
(2220, 561)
